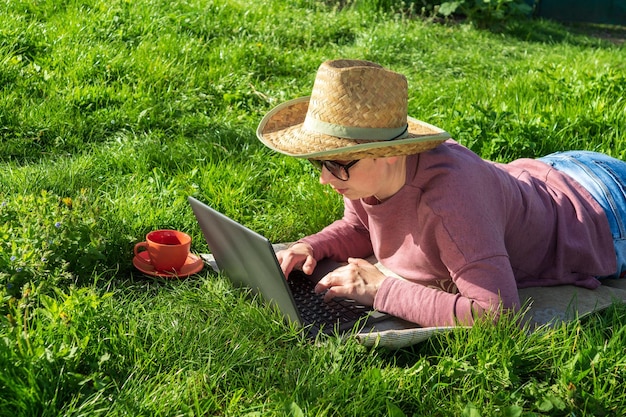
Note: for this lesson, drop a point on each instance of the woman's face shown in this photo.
(380, 177)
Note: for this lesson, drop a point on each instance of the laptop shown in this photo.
(248, 259)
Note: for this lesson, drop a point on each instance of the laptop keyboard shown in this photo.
(314, 310)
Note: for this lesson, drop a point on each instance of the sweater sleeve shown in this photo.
(483, 286)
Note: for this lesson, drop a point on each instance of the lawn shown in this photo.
(113, 112)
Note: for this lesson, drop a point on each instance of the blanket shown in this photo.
(542, 306)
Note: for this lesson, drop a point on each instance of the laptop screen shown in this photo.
(245, 257)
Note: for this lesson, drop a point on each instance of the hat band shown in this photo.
(353, 132)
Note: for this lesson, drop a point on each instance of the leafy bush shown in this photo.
(484, 13)
(46, 240)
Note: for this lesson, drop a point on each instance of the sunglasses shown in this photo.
(339, 171)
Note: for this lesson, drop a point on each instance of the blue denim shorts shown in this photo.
(605, 179)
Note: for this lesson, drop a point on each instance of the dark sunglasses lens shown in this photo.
(336, 169)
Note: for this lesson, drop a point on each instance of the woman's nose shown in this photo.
(325, 176)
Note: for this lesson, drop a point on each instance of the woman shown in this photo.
(463, 233)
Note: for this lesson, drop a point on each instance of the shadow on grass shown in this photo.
(541, 30)
(576, 34)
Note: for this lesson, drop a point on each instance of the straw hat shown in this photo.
(357, 109)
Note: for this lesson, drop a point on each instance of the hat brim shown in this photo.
(282, 130)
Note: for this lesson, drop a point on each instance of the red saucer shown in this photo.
(193, 264)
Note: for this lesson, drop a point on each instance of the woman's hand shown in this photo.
(358, 280)
(298, 256)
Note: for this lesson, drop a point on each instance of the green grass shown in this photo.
(112, 113)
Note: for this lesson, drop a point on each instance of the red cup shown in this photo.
(167, 250)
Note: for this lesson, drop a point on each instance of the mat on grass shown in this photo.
(543, 306)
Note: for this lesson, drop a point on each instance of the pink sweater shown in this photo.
(465, 233)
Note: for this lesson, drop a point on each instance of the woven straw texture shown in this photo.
(348, 93)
